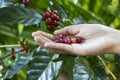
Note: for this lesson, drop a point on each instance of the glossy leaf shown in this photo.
(40, 5)
(5, 3)
(82, 70)
(68, 65)
(100, 73)
(57, 6)
(19, 64)
(52, 70)
(19, 14)
(42, 67)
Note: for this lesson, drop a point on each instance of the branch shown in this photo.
(106, 67)
(4, 46)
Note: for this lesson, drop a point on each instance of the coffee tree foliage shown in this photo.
(18, 21)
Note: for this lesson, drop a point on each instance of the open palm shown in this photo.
(97, 40)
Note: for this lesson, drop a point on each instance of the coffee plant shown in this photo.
(22, 59)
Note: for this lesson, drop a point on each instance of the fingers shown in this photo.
(47, 35)
(70, 30)
(61, 47)
(93, 47)
(41, 40)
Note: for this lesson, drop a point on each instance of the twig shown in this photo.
(7, 56)
(4, 46)
(105, 65)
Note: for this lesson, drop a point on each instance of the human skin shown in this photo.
(98, 39)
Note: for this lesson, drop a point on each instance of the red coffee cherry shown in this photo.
(54, 16)
(51, 27)
(49, 21)
(55, 12)
(59, 36)
(59, 40)
(79, 39)
(46, 15)
(25, 2)
(13, 57)
(57, 18)
(55, 23)
(22, 48)
(67, 41)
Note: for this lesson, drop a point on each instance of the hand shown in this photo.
(98, 40)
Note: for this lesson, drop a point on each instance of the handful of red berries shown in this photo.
(51, 19)
(68, 39)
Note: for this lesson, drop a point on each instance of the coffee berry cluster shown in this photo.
(68, 39)
(51, 19)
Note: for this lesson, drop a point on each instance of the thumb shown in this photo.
(70, 30)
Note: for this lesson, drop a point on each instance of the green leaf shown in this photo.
(92, 5)
(85, 13)
(38, 64)
(21, 75)
(40, 5)
(8, 31)
(100, 73)
(42, 67)
(109, 57)
(68, 65)
(19, 64)
(19, 14)
(117, 58)
(52, 70)
(58, 7)
(111, 6)
(82, 70)
(5, 3)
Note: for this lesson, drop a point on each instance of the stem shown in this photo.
(7, 56)
(105, 65)
(60, 25)
(3, 46)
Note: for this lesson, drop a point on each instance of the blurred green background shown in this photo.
(17, 22)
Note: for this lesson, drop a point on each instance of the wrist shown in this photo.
(115, 39)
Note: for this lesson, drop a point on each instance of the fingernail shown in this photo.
(35, 38)
(56, 31)
(46, 44)
(33, 33)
